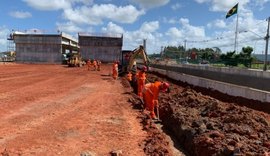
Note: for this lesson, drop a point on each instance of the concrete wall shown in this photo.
(38, 48)
(243, 77)
(33, 53)
(106, 49)
(227, 88)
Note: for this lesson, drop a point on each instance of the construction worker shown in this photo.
(115, 70)
(141, 77)
(98, 65)
(95, 64)
(88, 64)
(134, 80)
(150, 95)
(129, 76)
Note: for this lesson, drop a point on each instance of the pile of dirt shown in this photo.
(207, 126)
(156, 142)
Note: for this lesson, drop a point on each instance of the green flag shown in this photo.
(232, 11)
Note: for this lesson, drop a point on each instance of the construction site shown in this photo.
(50, 108)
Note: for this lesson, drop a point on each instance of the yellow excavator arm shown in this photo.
(135, 53)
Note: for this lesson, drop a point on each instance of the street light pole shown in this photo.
(185, 41)
(266, 46)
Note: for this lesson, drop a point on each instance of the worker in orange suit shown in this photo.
(95, 64)
(115, 70)
(88, 63)
(141, 77)
(129, 76)
(150, 95)
(98, 65)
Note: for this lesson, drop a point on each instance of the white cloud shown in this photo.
(48, 4)
(176, 36)
(151, 3)
(126, 14)
(79, 16)
(218, 5)
(174, 33)
(68, 27)
(176, 6)
(202, 1)
(149, 26)
(113, 29)
(20, 14)
(4, 32)
(224, 6)
(191, 31)
(84, 2)
(148, 31)
(170, 21)
(97, 13)
(217, 24)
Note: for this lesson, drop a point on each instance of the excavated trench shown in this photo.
(206, 122)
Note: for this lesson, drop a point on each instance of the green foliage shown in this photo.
(213, 55)
(173, 52)
(244, 57)
(152, 56)
(229, 59)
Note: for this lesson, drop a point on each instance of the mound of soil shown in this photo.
(207, 126)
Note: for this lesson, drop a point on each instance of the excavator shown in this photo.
(131, 64)
(75, 60)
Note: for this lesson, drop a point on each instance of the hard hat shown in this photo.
(165, 86)
(144, 68)
(133, 70)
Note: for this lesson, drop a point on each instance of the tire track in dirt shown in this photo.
(36, 119)
(38, 89)
(81, 117)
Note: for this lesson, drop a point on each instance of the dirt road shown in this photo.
(55, 110)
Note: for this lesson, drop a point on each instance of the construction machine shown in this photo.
(75, 60)
(129, 63)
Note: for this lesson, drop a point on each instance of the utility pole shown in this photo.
(185, 45)
(161, 52)
(236, 35)
(144, 45)
(266, 46)
(185, 41)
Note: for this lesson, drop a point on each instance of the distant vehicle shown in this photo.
(204, 63)
(185, 62)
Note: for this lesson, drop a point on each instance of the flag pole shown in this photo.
(236, 34)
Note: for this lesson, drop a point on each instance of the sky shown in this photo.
(189, 23)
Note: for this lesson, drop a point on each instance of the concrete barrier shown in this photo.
(227, 88)
(242, 77)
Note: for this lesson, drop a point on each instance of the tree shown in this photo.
(173, 52)
(229, 59)
(245, 56)
(233, 59)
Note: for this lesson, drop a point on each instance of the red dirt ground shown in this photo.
(56, 110)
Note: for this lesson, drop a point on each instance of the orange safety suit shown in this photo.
(98, 65)
(141, 77)
(115, 70)
(95, 64)
(150, 96)
(88, 64)
(129, 76)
